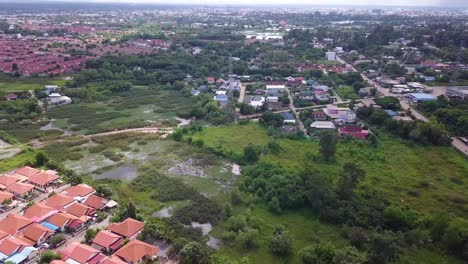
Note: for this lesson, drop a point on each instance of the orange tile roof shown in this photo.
(112, 260)
(79, 252)
(5, 196)
(59, 201)
(20, 188)
(7, 180)
(95, 201)
(79, 210)
(38, 211)
(14, 222)
(57, 262)
(27, 171)
(80, 190)
(35, 231)
(43, 178)
(61, 219)
(135, 250)
(105, 238)
(8, 247)
(3, 234)
(127, 228)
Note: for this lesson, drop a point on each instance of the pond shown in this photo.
(124, 172)
(164, 213)
(213, 242)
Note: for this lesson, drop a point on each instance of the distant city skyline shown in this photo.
(428, 3)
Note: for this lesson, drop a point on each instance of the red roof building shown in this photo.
(108, 241)
(14, 223)
(354, 131)
(27, 171)
(43, 179)
(81, 253)
(136, 251)
(129, 228)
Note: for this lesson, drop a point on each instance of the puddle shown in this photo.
(125, 172)
(161, 244)
(164, 213)
(205, 228)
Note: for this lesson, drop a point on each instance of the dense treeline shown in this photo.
(453, 114)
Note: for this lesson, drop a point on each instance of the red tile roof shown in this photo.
(112, 260)
(5, 196)
(136, 250)
(81, 253)
(20, 188)
(62, 219)
(95, 202)
(59, 201)
(39, 211)
(127, 228)
(43, 178)
(35, 231)
(14, 222)
(7, 180)
(80, 190)
(79, 210)
(27, 171)
(107, 239)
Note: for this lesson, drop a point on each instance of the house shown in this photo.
(129, 228)
(14, 223)
(7, 180)
(288, 118)
(64, 222)
(5, 196)
(321, 95)
(21, 189)
(95, 202)
(38, 212)
(48, 89)
(364, 92)
(319, 115)
(54, 98)
(43, 180)
(306, 95)
(257, 101)
(16, 250)
(322, 125)
(222, 99)
(392, 113)
(420, 97)
(354, 131)
(137, 251)
(458, 92)
(107, 241)
(275, 90)
(11, 97)
(79, 192)
(37, 233)
(80, 253)
(210, 80)
(331, 56)
(59, 201)
(111, 260)
(81, 211)
(27, 171)
(340, 113)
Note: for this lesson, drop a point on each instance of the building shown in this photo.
(275, 90)
(59, 201)
(322, 125)
(257, 101)
(37, 233)
(79, 192)
(107, 241)
(354, 131)
(14, 223)
(129, 228)
(27, 171)
(21, 189)
(137, 251)
(38, 212)
(64, 222)
(319, 115)
(222, 99)
(420, 97)
(43, 180)
(457, 92)
(96, 202)
(77, 253)
(5, 196)
(288, 118)
(331, 56)
(340, 114)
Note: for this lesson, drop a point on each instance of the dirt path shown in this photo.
(242, 92)
(293, 109)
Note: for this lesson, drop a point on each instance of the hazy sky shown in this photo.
(301, 2)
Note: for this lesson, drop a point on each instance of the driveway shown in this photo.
(81, 236)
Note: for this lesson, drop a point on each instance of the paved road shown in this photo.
(293, 109)
(242, 92)
(81, 236)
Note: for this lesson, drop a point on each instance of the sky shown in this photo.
(437, 3)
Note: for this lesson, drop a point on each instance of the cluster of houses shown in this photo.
(221, 88)
(55, 98)
(25, 235)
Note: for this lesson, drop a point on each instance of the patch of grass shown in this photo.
(27, 156)
(426, 256)
(10, 84)
(25, 132)
(346, 92)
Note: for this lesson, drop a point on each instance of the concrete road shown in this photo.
(293, 109)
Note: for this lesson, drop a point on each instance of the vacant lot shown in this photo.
(346, 92)
(13, 85)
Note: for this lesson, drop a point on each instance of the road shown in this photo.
(242, 92)
(293, 109)
(81, 236)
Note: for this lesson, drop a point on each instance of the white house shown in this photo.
(323, 125)
(331, 56)
(257, 101)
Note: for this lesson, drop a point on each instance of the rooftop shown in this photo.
(135, 250)
(127, 228)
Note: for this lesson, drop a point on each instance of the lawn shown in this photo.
(346, 92)
(25, 84)
(427, 179)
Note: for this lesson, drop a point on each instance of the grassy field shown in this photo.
(346, 92)
(425, 178)
(14, 85)
(136, 108)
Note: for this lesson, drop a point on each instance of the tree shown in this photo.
(246, 109)
(351, 176)
(194, 253)
(456, 237)
(280, 242)
(328, 145)
(322, 253)
(75, 179)
(271, 119)
(131, 210)
(227, 210)
(251, 153)
(349, 255)
(41, 159)
(104, 190)
(248, 238)
(384, 248)
(90, 234)
(56, 239)
(154, 229)
(48, 256)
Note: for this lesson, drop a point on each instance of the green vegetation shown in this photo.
(346, 92)
(10, 84)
